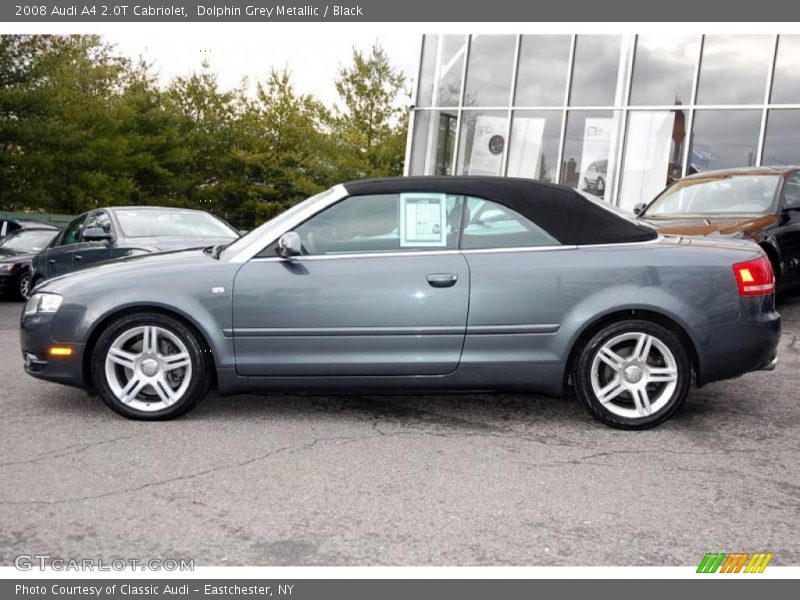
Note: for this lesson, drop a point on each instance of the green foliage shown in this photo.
(369, 130)
(81, 127)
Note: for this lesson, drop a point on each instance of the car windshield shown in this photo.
(716, 195)
(256, 234)
(28, 240)
(149, 222)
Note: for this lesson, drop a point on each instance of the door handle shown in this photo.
(52, 261)
(78, 257)
(441, 280)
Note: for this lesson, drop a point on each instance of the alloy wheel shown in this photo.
(148, 368)
(634, 375)
(25, 286)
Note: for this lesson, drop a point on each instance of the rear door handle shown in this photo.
(78, 257)
(442, 280)
(52, 261)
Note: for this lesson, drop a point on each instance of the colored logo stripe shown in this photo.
(734, 563)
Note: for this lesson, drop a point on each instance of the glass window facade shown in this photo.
(618, 116)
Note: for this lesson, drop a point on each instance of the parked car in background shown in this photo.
(17, 249)
(595, 178)
(419, 283)
(761, 204)
(11, 225)
(111, 233)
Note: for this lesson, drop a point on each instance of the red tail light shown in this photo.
(755, 277)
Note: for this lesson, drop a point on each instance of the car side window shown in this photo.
(72, 232)
(98, 218)
(401, 222)
(492, 225)
(791, 192)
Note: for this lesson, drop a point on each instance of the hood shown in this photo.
(8, 255)
(129, 266)
(712, 225)
(166, 243)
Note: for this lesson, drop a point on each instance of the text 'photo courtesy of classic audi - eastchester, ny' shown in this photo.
(417, 284)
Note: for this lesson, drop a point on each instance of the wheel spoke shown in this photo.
(176, 361)
(642, 401)
(131, 389)
(611, 358)
(642, 350)
(150, 339)
(166, 393)
(122, 357)
(610, 391)
(662, 375)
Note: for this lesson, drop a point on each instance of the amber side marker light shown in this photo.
(59, 351)
(755, 277)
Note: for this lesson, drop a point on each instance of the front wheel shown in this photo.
(150, 366)
(24, 286)
(632, 374)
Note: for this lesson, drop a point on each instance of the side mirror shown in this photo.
(639, 208)
(95, 234)
(289, 245)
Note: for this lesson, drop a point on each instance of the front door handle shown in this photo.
(78, 257)
(52, 261)
(441, 280)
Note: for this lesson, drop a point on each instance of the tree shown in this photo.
(370, 128)
(60, 147)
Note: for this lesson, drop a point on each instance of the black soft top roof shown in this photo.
(563, 212)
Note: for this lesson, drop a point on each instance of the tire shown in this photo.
(150, 366)
(640, 369)
(24, 286)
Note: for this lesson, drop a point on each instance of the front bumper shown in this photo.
(36, 340)
(8, 282)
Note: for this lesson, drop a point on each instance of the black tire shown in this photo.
(202, 365)
(24, 286)
(582, 369)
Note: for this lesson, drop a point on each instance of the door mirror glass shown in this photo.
(95, 234)
(639, 208)
(289, 245)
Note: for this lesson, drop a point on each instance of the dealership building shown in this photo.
(618, 116)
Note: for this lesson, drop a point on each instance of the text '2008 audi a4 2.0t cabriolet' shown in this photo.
(421, 284)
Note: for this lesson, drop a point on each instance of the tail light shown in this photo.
(755, 277)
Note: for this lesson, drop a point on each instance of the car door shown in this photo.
(59, 257)
(381, 289)
(87, 252)
(787, 233)
(516, 299)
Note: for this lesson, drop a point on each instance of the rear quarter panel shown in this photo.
(683, 279)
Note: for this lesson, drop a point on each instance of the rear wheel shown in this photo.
(632, 374)
(150, 366)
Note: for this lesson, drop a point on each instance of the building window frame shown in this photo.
(621, 104)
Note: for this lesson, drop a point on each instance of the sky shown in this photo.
(313, 60)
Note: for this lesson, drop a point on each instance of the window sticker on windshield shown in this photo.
(423, 220)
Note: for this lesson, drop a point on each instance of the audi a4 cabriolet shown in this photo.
(417, 284)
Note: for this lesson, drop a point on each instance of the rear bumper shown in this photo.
(35, 340)
(733, 349)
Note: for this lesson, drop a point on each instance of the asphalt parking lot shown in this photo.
(401, 480)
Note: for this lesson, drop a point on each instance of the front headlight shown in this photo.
(43, 302)
(6, 267)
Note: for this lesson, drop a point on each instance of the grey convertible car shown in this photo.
(423, 284)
